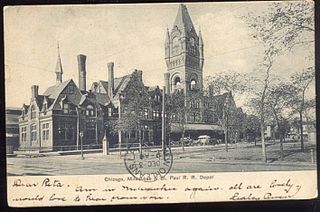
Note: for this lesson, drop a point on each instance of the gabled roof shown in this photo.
(104, 84)
(121, 83)
(183, 20)
(54, 91)
(39, 101)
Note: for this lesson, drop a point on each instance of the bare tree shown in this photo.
(252, 127)
(232, 83)
(300, 82)
(223, 82)
(285, 24)
(279, 29)
(277, 102)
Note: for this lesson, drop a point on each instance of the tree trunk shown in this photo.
(263, 144)
(183, 134)
(280, 133)
(281, 146)
(301, 131)
(226, 139)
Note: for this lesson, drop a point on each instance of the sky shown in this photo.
(131, 36)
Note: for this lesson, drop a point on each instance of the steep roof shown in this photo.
(104, 84)
(54, 91)
(183, 20)
(59, 65)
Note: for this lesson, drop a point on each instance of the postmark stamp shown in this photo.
(149, 164)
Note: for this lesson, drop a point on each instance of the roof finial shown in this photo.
(58, 49)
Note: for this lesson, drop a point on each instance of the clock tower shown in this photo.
(183, 55)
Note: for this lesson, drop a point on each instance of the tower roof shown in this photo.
(59, 63)
(183, 20)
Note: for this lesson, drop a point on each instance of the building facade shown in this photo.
(184, 55)
(124, 109)
(12, 129)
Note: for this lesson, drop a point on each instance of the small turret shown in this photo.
(59, 70)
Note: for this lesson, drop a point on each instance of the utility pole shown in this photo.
(119, 114)
(78, 126)
(163, 122)
(81, 144)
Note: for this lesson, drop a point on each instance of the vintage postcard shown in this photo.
(160, 103)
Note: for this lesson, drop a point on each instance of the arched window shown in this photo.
(193, 84)
(90, 111)
(33, 112)
(177, 83)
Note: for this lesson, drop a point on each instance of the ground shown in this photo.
(240, 157)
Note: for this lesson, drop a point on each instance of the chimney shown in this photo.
(82, 71)
(110, 79)
(139, 74)
(210, 90)
(34, 91)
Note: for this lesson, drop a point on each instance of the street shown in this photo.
(240, 157)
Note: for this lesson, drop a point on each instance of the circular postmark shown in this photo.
(149, 164)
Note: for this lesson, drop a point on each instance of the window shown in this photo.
(65, 108)
(45, 131)
(177, 83)
(66, 131)
(33, 112)
(133, 134)
(23, 131)
(91, 130)
(157, 98)
(109, 111)
(146, 113)
(90, 111)
(193, 85)
(33, 132)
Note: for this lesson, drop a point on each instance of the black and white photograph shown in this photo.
(158, 101)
